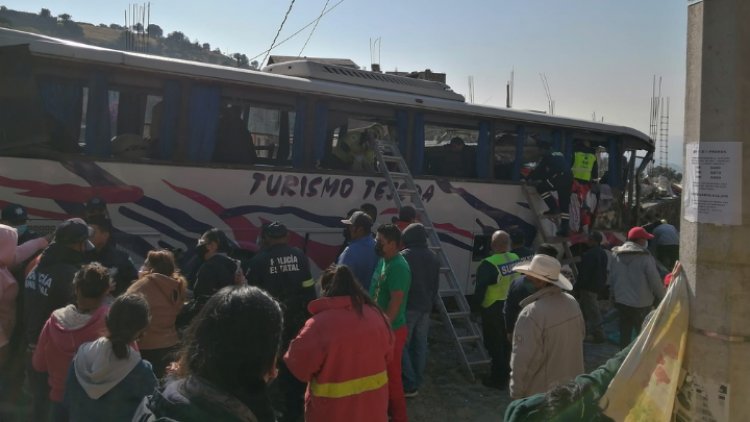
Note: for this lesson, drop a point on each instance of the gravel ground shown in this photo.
(448, 395)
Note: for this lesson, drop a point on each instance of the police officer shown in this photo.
(121, 267)
(553, 174)
(94, 207)
(49, 286)
(15, 215)
(494, 276)
(284, 272)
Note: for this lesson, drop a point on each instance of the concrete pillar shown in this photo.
(717, 258)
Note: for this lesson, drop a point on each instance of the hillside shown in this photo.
(175, 44)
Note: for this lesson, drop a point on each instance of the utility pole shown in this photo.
(714, 239)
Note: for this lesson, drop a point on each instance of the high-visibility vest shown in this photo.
(350, 148)
(583, 163)
(504, 264)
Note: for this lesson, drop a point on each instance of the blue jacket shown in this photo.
(360, 257)
(102, 387)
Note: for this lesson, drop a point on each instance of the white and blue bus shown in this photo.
(175, 147)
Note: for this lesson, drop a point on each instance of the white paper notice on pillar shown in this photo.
(712, 189)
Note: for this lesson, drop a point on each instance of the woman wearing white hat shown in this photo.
(548, 337)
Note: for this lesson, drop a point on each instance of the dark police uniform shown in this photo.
(284, 272)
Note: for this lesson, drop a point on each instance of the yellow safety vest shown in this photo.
(583, 163)
(504, 263)
(350, 147)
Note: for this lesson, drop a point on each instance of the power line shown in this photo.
(325, 6)
(286, 15)
(296, 33)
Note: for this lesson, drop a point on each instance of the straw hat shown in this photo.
(545, 268)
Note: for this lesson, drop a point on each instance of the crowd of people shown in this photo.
(86, 335)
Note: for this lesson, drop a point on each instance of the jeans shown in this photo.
(589, 302)
(396, 399)
(293, 391)
(496, 341)
(414, 359)
(59, 412)
(631, 320)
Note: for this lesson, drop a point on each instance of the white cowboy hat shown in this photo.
(545, 268)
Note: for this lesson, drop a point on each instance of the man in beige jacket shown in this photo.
(549, 333)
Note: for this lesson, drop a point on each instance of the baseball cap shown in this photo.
(638, 232)
(274, 230)
(73, 231)
(96, 204)
(13, 213)
(358, 219)
(407, 213)
(218, 236)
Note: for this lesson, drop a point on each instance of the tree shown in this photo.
(138, 27)
(45, 13)
(115, 26)
(207, 46)
(254, 65)
(241, 60)
(177, 37)
(3, 9)
(155, 30)
(64, 17)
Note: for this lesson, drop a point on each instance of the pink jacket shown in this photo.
(343, 356)
(10, 255)
(64, 331)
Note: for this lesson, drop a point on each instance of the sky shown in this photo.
(599, 56)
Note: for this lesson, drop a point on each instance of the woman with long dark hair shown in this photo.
(164, 288)
(108, 377)
(342, 352)
(228, 356)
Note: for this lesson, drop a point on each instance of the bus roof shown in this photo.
(45, 46)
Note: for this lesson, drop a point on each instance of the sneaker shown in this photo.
(411, 393)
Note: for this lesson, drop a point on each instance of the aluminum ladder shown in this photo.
(568, 258)
(454, 308)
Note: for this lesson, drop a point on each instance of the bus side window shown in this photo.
(135, 122)
(351, 143)
(272, 134)
(504, 155)
(63, 104)
(450, 151)
(531, 155)
(234, 142)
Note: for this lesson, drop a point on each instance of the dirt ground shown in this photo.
(448, 395)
